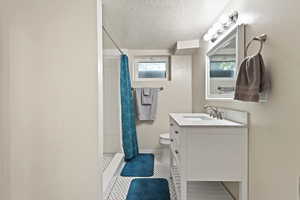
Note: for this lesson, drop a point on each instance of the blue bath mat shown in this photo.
(140, 166)
(148, 189)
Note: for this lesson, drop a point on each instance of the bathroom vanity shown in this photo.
(206, 152)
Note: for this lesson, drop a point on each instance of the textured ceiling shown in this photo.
(158, 24)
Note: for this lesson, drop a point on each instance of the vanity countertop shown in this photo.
(202, 119)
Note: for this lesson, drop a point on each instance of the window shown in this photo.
(151, 68)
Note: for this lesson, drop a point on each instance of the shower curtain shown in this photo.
(129, 137)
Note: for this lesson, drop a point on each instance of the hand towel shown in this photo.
(146, 91)
(147, 96)
(146, 112)
(251, 79)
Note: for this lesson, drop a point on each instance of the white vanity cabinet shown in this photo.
(209, 151)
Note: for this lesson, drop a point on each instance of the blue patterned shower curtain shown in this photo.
(129, 137)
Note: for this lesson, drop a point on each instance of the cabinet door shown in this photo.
(215, 154)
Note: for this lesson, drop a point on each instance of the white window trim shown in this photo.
(138, 59)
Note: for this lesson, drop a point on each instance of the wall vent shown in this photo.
(186, 47)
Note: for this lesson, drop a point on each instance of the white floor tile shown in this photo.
(107, 158)
(121, 185)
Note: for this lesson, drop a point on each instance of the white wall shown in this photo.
(111, 100)
(4, 111)
(176, 97)
(198, 81)
(48, 53)
(274, 132)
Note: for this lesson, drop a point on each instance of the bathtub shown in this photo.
(111, 168)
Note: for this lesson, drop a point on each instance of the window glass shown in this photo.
(222, 66)
(224, 69)
(152, 69)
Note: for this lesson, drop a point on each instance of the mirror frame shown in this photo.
(239, 31)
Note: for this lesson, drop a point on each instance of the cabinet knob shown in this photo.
(171, 124)
(176, 151)
(172, 140)
(176, 132)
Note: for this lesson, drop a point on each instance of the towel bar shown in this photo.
(161, 88)
(225, 89)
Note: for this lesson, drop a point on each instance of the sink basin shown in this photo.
(193, 118)
(201, 119)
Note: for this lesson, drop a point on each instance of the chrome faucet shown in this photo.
(213, 111)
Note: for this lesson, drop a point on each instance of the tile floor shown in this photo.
(107, 158)
(121, 185)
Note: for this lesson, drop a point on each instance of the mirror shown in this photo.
(222, 61)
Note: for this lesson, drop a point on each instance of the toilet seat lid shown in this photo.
(165, 136)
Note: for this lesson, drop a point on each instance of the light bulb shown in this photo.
(210, 32)
(224, 19)
(218, 27)
(206, 37)
(214, 29)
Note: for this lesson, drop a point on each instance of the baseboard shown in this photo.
(154, 151)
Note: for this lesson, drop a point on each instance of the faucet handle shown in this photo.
(220, 114)
(206, 106)
(211, 110)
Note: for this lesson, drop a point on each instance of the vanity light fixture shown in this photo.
(224, 23)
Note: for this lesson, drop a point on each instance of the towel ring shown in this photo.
(262, 38)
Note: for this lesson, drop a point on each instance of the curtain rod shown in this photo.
(109, 36)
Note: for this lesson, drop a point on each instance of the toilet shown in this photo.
(164, 140)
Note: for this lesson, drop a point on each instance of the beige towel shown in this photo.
(251, 79)
(147, 96)
(146, 112)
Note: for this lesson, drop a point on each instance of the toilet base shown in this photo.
(164, 155)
